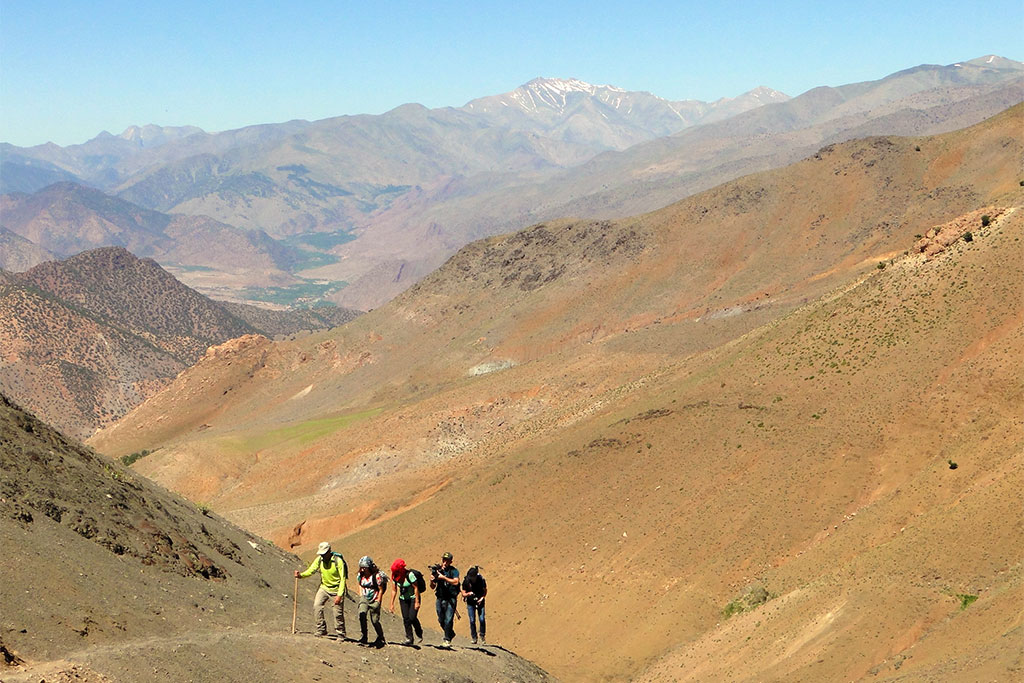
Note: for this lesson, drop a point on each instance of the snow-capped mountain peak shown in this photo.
(554, 93)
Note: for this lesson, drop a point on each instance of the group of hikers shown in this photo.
(410, 584)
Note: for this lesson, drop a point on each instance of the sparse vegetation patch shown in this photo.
(753, 597)
(131, 458)
(306, 432)
(966, 599)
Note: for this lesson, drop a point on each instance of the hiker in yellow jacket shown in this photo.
(333, 583)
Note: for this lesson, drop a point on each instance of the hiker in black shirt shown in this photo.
(444, 579)
(474, 590)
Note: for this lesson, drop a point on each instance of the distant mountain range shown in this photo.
(389, 197)
(84, 340)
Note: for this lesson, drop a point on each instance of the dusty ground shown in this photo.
(241, 654)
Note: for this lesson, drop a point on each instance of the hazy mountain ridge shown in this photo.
(774, 376)
(258, 177)
(220, 260)
(67, 218)
(650, 175)
(400, 192)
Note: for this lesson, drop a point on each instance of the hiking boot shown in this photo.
(407, 641)
(362, 641)
(419, 638)
(483, 640)
(379, 643)
(446, 644)
(474, 641)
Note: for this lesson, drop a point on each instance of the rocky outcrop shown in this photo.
(939, 238)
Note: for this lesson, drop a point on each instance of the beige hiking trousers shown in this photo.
(320, 604)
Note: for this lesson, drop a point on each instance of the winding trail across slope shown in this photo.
(237, 654)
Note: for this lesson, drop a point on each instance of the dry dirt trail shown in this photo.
(254, 654)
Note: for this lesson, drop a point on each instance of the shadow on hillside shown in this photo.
(458, 648)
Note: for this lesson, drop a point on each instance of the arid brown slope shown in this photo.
(273, 322)
(634, 420)
(84, 340)
(67, 365)
(141, 297)
(811, 458)
(105, 576)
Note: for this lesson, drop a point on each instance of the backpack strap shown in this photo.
(344, 566)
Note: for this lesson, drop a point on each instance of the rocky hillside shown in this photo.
(275, 323)
(84, 340)
(106, 577)
(750, 403)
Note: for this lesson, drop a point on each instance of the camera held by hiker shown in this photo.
(408, 586)
(333, 580)
(474, 590)
(372, 584)
(444, 579)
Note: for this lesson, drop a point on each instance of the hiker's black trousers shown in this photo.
(410, 617)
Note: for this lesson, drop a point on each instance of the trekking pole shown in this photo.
(295, 603)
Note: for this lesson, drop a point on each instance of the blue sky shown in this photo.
(71, 69)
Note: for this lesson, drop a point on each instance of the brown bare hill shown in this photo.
(77, 370)
(106, 577)
(745, 402)
(139, 295)
(281, 323)
(67, 218)
(86, 339)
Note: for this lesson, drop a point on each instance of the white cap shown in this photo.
(325, 547)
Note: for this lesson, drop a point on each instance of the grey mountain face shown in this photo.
(603, 116)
